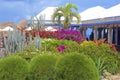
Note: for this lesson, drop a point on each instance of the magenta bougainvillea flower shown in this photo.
(61, 34)
(61, 48)
(70, 35)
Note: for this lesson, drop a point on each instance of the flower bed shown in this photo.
(62, 42)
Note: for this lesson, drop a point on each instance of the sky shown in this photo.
(17, 10)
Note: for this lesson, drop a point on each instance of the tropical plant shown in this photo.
(102, 51)
(67, 13)
(100, 64)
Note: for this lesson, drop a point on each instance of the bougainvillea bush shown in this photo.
(60, 34)
(48, 34)
(73, 35)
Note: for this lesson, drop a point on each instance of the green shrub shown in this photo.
(101, 51)
(118, 70)
(13, 68)
(76, 67)
(48, 46)
(29, 52)
(42, 67)
(52, 45)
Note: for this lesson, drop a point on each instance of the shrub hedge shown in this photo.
(76, 67)
(13, 68)
(42, 67)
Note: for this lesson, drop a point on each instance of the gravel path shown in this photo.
(112, 77)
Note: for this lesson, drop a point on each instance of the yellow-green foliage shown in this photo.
(52, 44)
(119, 62)
(48, 46)
(29, 52)
(13, 68)
(100, 50)
(42, 67)
(76, 67)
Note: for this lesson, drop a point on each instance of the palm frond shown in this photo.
(70, 6)
(77, 16)
(55, 15)
(67, 13)
(60, 9)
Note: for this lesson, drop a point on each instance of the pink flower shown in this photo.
(61, 48)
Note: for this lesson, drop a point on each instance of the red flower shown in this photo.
(35, 34)
(113, 47)
(94, 41)
(99, 43)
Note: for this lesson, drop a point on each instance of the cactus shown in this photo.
(38, 23)
(41, 22)
(16, 41)
(37, 42)
(32, 23)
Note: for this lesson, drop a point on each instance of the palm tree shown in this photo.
(67, 13)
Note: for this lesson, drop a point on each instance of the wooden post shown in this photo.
(81, 31)
(95, 33)
(100, 33)
(84, 33)
(116, 35)
(110, 35)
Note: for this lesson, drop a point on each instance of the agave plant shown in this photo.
(67, 13)
(100, 64)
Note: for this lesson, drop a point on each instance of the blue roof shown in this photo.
(89, 24)
(50, 24)
(98, 23)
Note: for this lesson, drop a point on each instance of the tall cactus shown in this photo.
(37, 42)
(41, 22)
(16, 41)
(32, 23)
(37, 23)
